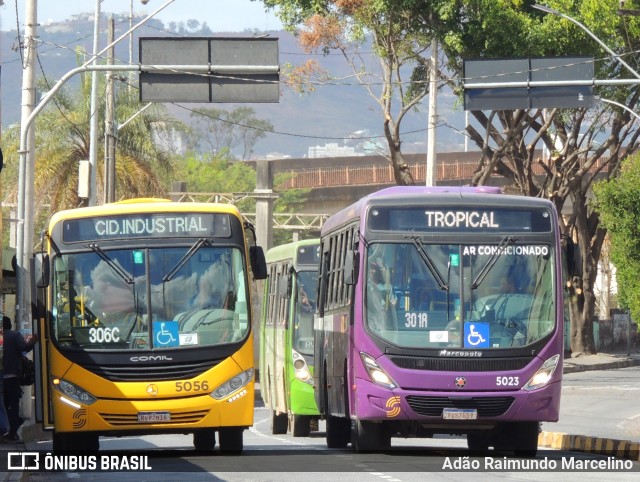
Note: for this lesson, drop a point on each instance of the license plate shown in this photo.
(459, 414)
(154, 417)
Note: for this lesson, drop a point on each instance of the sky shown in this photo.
(220, 15)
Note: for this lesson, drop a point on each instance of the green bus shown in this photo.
(286, 337)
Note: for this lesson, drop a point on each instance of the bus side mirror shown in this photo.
(41, 268)
(258, 262)
(351, 268)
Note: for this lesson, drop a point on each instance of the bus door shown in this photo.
(39, 287)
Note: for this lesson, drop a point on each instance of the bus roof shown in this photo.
(423, 193)
(287, 251)
(143, 205)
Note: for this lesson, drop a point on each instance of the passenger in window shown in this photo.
(381, 300)
(306, 305)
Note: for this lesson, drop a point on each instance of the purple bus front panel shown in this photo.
(422, 394)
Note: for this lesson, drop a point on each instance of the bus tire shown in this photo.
(59, 442)
(502, 437)
(301, 426)
(338, 432)
(279, 423)
(230, 440)
(370, 436)
(479, 441)
(76, 442)
(525, 443)
(204, 439)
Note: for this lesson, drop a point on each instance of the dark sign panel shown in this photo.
(435, 220)
(309, 255)
(486, 74)
(239, 70)
(146, 226)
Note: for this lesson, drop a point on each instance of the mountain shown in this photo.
(330, 114)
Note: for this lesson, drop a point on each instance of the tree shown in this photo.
(585, 144)
(220, 174)
(216, 131)
(62, 131)
(618, 203)
(399, 38)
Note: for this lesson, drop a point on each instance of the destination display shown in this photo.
(458, 219)
(146, 226)
(309, 255)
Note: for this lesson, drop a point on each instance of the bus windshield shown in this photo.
(151, 298)
(494, 295)
(305, 308)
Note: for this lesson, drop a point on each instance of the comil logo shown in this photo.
(23, 460)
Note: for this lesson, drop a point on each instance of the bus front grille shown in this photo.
(460, 364)
(433, 406)
(122, 419)
(154, 373)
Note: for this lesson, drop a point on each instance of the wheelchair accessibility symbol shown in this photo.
(165, 333)
(476, 335)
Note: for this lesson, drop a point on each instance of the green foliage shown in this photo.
(221, 175)
(617, 202)
(219, 131)
(143, 163)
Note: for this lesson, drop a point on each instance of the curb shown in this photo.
(623, 449)
(627, 362)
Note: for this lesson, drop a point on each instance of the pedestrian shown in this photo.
(14, 346)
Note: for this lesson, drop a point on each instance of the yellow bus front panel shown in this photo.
(152, 405)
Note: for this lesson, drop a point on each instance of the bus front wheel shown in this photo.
(76, 442)
(204, 439)
(230, 439)
(338, 432)
(301, 426)
(525, 442)
(479, 441)
(279, 423)
(369, 436)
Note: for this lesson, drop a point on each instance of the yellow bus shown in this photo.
(144, 315)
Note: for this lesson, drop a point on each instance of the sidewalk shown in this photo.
(31, 433)
(623, 449)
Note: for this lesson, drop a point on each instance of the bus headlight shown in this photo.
(73, 391)
(543, 375)
(376, 373)
(301, 369)
(233, 384)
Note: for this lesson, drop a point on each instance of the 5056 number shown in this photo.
(192, 386)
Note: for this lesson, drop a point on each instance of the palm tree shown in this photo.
(143, 165)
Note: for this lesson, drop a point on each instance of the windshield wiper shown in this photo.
(506, 241)
(426, 259)
(187, 256)
(117, 269)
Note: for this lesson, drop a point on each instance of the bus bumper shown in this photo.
(302, 399)
(168, 415)
(376, 403)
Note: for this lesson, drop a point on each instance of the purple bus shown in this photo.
(440, 310)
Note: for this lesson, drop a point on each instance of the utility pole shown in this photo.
(24, 243)
(433, 115)
(24, 246)
(24, 233)
(109, 126)
(93, 134)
